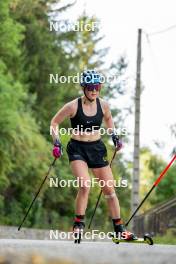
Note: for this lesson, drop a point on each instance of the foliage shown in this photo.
(151, 167)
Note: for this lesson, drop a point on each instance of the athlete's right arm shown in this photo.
(64, 112)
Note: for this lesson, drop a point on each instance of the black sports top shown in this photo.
(81, 121)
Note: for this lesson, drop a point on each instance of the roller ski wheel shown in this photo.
(78, 229)
(148, 239)
(145, 240)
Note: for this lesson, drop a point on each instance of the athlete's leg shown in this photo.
(105, 174)
(80, 171)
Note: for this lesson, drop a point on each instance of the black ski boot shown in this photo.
(78, 228)
(121, 232)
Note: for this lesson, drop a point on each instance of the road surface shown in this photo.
(57, 252)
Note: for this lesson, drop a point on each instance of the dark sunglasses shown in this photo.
(92, 87)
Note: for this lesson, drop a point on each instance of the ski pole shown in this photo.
(115, 151)
(154, 185)
(52, 164)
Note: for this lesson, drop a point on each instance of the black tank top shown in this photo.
(82, 121)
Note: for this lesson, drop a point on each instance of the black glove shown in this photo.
(117, 142)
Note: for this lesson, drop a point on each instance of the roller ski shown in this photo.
(78, 229)
(145, 240)
(122, 235)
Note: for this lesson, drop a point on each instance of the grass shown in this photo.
(169, 238)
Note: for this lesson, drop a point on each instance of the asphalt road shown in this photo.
(18, 251)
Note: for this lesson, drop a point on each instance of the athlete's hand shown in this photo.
(117, 142)
(57, 149)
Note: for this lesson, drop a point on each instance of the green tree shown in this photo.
(22, 148)
(151, 167)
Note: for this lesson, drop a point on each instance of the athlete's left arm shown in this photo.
(108, 120)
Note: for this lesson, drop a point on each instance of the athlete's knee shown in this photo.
(84, 187)
(111, 195)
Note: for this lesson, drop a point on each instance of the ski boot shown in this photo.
(78, 228)
(122, 233)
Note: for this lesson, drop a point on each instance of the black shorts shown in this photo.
(93, 153)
